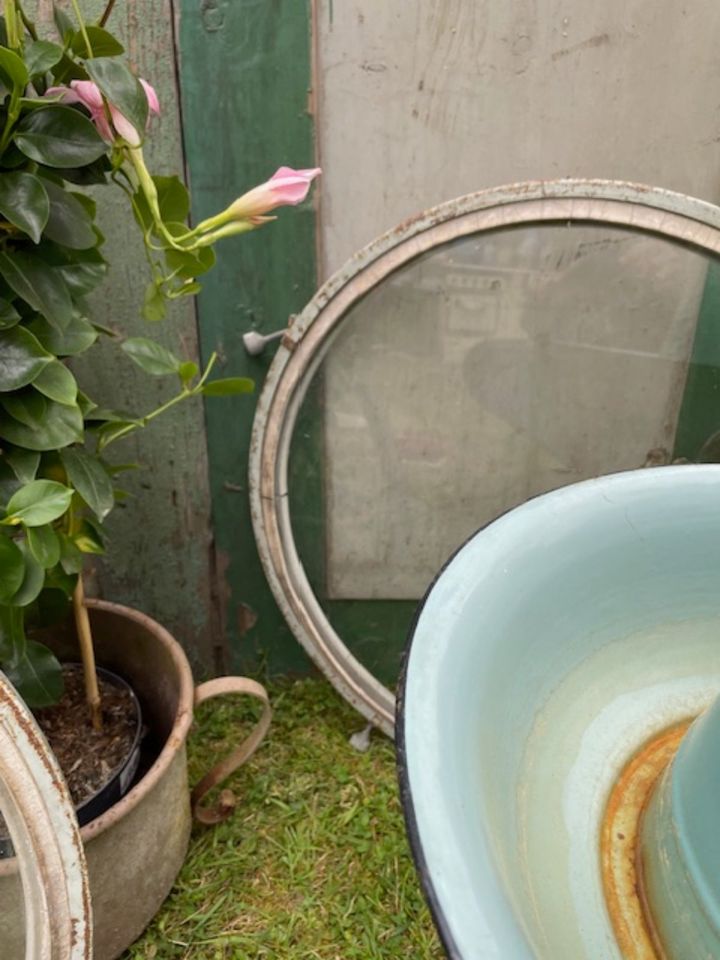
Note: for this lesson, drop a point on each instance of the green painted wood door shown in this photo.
(246, 102)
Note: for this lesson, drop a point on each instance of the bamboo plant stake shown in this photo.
(87, 653)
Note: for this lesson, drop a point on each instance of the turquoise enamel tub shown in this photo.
(552, 647)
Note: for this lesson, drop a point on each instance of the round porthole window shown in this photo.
(496, 347)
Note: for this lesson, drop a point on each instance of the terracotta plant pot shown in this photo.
(136, 848)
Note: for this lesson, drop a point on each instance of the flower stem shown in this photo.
(106, 13)
(83, 29)
(183, 395)
(87, 653)
(150, 192)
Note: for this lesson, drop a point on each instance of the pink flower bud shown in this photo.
(88, 94)
(285, 187)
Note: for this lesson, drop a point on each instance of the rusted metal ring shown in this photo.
(634, 206)
(40, 816)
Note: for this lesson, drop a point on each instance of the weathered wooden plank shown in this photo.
(448, 98)
(159, 555)
(245, 75)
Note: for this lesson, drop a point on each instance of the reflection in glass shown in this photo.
(485, 372)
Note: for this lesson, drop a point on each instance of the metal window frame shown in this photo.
(638, 207)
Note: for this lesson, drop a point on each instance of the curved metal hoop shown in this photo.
(641, 208)
(44, 831)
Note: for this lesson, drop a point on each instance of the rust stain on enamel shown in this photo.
(620, 856)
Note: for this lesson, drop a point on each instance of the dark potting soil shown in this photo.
(88, 757)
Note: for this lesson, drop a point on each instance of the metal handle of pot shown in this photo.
(221, 771)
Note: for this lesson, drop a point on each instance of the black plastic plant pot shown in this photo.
(121, 778)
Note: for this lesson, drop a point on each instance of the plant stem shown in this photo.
(11, 24)
(87, 653)
(149, 191)
(27, 22)
(144, 421)
(210, 364)
(106, 13)
(83, 29)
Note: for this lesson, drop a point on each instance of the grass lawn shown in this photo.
(314, 863)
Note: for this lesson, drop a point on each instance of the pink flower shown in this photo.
(87, 93)
(286, 186)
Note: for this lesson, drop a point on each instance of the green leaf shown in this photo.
(28, 406)
(188, 289)
(12, 158)
(228, 387)
(89, 174)
(35, 673)
(57, 383)
(173, 201)
(9, 483)
(41, 55)
(68, 222)
(103, 43)
(24, 463)
(8, 315)
(154, 307)
(33, 580)
(152, 357)
(122, 90)
(12, 569)
(187, 372)
(107, 331)
(87, 540)
(90, 479)
(110, 431)
(85, 403)
(44, 545)
(14, 70)
(22, 359)
(64, 25)
(68, 69)
(173, 198)
(187, 264)
(59, 426)
(71, 559)
(59, 137)
(77, 336)
(54, 603)
(57, 579)
(38, 285)
(38, 502)
(106, 415)
(24, 202)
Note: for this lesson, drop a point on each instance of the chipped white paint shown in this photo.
(37, 808)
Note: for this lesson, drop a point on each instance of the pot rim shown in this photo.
(178, 734)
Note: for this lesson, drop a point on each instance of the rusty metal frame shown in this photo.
(305, 343)
(43, 827)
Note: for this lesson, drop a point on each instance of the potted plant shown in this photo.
(74, 115)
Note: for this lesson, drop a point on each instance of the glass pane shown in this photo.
(487, 371)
